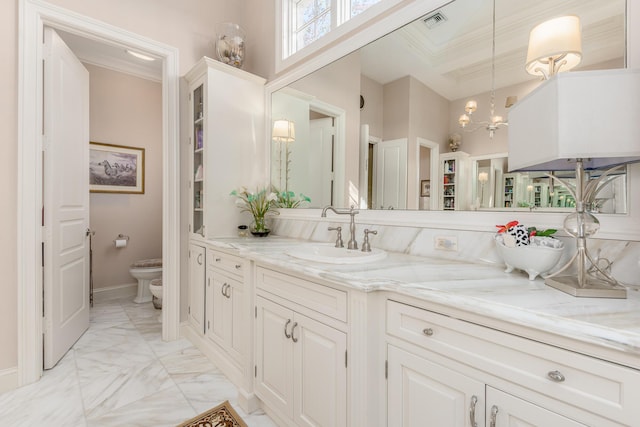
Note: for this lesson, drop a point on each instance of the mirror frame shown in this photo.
(612, 226)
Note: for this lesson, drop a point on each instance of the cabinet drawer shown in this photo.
(314, 296)
(229, 263)
(598, 386)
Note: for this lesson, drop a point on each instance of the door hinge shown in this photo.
(189, 96)
(189, 309)
(255, 371)
(345, 358)
(386, 369)
(208, 325)
(255, 311)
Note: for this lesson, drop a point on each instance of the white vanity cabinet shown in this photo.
(422, 392)
(225, 305)
(226, 124)
(301, 349)
(197, 278)
(448, 362)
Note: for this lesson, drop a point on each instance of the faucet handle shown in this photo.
(366, 247)
(339, 242)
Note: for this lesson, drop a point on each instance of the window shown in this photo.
(309, 20)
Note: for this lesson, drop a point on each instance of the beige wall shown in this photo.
(372, 113)
(126, 110)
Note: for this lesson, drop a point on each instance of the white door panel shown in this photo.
(66, 199)
(391, 174)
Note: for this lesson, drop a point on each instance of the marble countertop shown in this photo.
(480, 289)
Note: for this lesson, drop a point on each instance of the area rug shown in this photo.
(222, 415)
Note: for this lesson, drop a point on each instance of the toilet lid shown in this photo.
(147, 263)
(156, 282)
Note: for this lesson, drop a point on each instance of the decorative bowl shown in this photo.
(535, 259)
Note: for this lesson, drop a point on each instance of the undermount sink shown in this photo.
(329, 254)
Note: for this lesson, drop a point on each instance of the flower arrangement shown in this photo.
(519, 235)
(259, 203)
(289, 199)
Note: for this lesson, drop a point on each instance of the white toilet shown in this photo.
(155, 286)
(145, 271)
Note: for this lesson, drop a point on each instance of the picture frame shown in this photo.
(425, 188)
(115, 169)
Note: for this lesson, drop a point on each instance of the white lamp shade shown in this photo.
(284, 131)
(591, 115)
(552, 39)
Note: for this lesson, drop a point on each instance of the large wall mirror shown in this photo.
(375, 129)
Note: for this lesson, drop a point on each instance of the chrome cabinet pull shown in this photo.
(285, 329)
(494, 415)
(199, 259)
(238, 266)
(472, 411)
(227, 292)
(222, 289)
(427, 331)
(556, 376)
(294, 339)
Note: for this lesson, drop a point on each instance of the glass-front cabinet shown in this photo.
(226, 128)
(197, 145)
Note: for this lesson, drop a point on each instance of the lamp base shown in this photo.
(593, 287)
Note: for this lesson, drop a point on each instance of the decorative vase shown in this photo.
(259, 227)
(230, 44)
(537, 258)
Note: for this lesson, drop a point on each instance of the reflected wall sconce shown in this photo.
(579, 121)
(284, 133)
(554, 46)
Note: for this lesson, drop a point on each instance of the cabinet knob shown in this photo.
(238, 266)
(427, 331)
(218, 259)
(556, 376)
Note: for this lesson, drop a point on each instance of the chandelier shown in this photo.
(471, 106)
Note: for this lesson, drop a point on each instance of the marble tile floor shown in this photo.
(121, 373)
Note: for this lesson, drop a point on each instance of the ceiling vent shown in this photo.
(434, 20)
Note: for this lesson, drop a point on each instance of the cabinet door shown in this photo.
(197, 282)
(506, 410)
(237, 328)
(424, 393)
(219, 323)
(320, 373)
(274, 363)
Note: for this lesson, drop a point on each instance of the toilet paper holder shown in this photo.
(118, 240)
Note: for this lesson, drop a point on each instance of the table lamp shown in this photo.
(579, 121)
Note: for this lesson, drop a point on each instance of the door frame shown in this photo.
(434, 164)
(34, 15)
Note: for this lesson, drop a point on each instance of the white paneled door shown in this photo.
(391, 174)
(65, 199)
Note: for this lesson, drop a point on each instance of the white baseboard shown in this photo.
(8, 379)
(115, 292)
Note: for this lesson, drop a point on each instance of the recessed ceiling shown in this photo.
(453, 57)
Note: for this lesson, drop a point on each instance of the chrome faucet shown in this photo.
(352, 243)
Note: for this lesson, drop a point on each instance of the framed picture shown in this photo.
(425, 188)
(115, 169)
